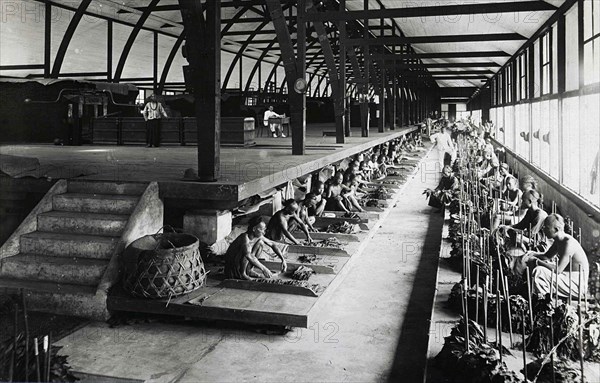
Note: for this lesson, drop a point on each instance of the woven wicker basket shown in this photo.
(163, 266)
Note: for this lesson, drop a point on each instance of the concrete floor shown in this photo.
(373, 327)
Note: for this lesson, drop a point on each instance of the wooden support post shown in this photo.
(394, 97)
(203, 47)
(340, 134)
(381, 126)
(298, 99)
(365, 103)
(336, 88)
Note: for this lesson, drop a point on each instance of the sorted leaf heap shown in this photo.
(331, 242)
(480, 363)
(302, 273)
(343, 228)
(308, 258)
(274, 281)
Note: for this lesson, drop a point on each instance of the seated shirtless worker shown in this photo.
(279, 226)
(568, 250)
(241, 258)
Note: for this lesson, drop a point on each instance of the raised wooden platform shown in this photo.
(253, 302)
(245, 171)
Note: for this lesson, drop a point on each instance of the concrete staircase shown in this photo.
(77, 235)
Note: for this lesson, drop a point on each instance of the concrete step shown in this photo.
(68, 245)
(59, 298)
(95, 203)
(70, 270)
(99, 187)
(82, 223)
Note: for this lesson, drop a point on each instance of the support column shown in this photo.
(394, 96)
(203, 47)
(382, 87)
(365, 103)
(342, 125)
(298, 99)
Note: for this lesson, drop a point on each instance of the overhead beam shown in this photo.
(401, 40)
(462, 72)
(441, 10)
(131, 39)
(440, 55)
(437, 78)
(460, 65)
(66, 40)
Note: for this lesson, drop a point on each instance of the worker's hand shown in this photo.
(266, 272)
(283, 266)
(309, 239)
(530, 260)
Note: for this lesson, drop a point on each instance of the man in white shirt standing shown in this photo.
(153, 112)
(274, 127)
(445, 146)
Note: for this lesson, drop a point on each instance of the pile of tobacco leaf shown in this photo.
(380, 192)
(315, 287)
(308, 258)
(343, 227)
(561, 370)
(565, 323)
(480, 364)
(370, 202)
(331, 242)
(518, 307)
(60, 370)
(302, 273)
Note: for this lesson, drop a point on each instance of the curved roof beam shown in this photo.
(66, 40)
(169, 62)
(244, 46)
(132, 36)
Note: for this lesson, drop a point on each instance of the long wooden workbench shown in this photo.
(249, 302)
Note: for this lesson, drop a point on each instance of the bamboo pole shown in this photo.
(13, 359)
(48, 355)
(485, 309)
(552, 277)
(524, 351)
(508, 308)
(477, 294)
(466, 318)
(500, 264)
(26, 335)
(580, 329)
(499, 320)
(529, 297)
(37, 358)
(570, 279)
(555, 273)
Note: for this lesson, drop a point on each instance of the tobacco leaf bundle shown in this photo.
(563, 373)
(331, 242)
(565, 321)
(308, 258)
(343, 227)
(60, 370)
(480, 364)
(302, 273)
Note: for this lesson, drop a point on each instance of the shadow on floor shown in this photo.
(411, 351)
